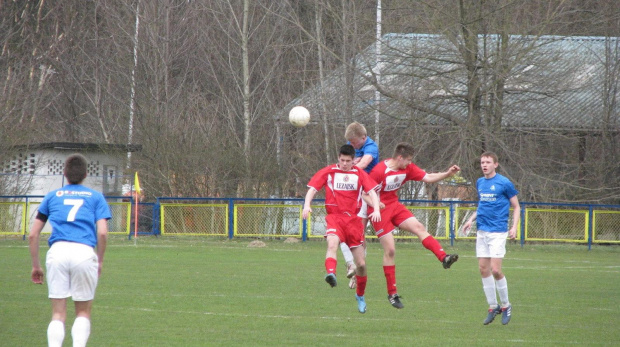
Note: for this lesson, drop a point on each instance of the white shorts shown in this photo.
(491, 245)
(72, 271)
(364, 210)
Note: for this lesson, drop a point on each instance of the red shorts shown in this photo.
(349, 229)
(392, 216)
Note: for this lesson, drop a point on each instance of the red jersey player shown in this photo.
(391, 175)
(344, 185)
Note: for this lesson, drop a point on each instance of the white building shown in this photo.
(38, 168)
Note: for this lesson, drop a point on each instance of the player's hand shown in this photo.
(37, 275)
(306, 212)
(356, 160)
(100, 269)
(512, 233)
(381, 205)
(453, 170)
(466, 228)
(375, 216)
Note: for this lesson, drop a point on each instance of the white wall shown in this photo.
(105, 170)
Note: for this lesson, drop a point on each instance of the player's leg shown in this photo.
(346, 252)
(58, 284)
(501, 284)
(488, 282)
(333, 235)
(389, 268)
(414, 226)
(353, 231)
(361, 277)
(81, 326)
(85, 270)
(56, 327)
(348, 259)
(330, 259)
(359, 257)
(489, 289)
(497, 246)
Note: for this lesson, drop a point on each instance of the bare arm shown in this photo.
(309, 196)
(438, 176)
(469, 223)
(33, 244)
(102, 241)
(363, 162)
(516, 216)
(368, 200)
(375, 216)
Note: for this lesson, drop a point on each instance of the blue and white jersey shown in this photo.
(494, 196)
(73, 212)
(369, 148)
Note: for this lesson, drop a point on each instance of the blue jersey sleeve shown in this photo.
(510, 189)
(102, 210)
(370, 148)
(44, 206)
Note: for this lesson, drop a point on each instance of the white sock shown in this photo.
(502, 289)
(55, 333)
(346, 253)
(488, 285)
(80, 331)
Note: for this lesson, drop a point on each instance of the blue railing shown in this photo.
(531, 213)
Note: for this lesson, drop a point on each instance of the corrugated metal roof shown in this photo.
(76, 146)
(554, 82)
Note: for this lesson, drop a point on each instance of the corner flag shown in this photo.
(137, 184)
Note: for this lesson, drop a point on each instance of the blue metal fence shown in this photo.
(281, 217)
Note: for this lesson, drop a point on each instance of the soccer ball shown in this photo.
(299, 116)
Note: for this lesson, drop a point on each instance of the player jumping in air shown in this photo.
(391, 175)
(344, 185)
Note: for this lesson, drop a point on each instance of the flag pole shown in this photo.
(135, 222)
(137, 202)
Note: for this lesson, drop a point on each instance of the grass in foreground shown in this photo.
(205, 292)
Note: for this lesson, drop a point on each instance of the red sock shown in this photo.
(433, 245)
(330, 265)
(390, 278)
(361, 285)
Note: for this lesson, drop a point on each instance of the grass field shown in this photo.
(206, 292)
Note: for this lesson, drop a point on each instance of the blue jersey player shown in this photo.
(496, 195)
(79, 219)
(366, 150)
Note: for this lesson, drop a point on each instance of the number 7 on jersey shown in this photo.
(76, 203)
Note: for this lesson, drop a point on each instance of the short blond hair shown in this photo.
(355, 130)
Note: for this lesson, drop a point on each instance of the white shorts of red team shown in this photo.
(72, 271)
(491, 244)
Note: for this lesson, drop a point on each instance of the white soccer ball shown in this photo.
(299, 116)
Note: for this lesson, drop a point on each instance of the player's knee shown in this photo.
(419, 229)
(390, 252)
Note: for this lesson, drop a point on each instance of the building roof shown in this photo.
(554, 83)
(76, 146)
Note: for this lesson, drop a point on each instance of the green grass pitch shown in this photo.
(175, 291)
